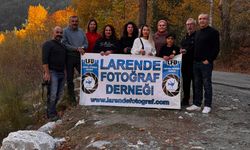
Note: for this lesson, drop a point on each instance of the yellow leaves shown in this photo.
(2, 38)
(21, 33)
(37, 16)
(40, 23)
(61, 17)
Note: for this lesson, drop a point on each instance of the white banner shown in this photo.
(130, 81)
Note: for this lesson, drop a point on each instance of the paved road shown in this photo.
(237, 80)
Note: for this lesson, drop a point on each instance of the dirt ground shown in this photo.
(121, 128)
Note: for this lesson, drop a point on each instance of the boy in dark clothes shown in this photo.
(169, 50)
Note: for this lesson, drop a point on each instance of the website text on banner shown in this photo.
(130, 81)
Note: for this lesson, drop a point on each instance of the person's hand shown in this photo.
(205, 62)
(108, 52)
(125, 50)
(171, 56)
(46, 76)
(81, 50)
(150, 54)
(102, 53)
(142, 52)
(183, 51)
(166, 58)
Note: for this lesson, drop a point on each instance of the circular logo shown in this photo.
(89, 83)
(171, 85)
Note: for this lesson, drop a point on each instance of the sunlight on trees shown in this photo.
(2, 38)
(61, 17)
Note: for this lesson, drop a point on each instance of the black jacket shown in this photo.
(207, 44)
(188, 43)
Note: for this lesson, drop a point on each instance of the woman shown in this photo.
(130, 33)
(108, 44)
(144, 45)
(160, 35)
(169, 50)
(92, 35)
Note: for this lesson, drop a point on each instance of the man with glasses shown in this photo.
(76, 42)
(187, 49)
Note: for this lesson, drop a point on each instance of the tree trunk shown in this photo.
(225, 10)
(211, 12)
(142, 12)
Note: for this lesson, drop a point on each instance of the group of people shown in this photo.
(61, 55)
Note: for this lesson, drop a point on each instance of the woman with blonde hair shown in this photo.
(144, 44)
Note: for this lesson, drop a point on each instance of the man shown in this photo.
(187, 49)
(160, 36)
(54, 58)
(75, 40)
(207, 46)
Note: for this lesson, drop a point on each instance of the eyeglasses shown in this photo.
(59, 32)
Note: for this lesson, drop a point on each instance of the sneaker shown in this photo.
(193, 108)
(206, 110)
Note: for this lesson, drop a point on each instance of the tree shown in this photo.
(142, 12)
(211, 13)
(225, 9)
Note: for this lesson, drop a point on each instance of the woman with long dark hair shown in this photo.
(92, 35)
(108, 44)
(130, 33)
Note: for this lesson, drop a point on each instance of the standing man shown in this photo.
(76, 42)
(187, 49)
(160, 36)
(54, 58)
(207, 44)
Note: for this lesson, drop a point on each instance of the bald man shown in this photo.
(206, 49)
(54, 60)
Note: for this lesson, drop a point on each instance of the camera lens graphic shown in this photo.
(89, 83)
(171, 85)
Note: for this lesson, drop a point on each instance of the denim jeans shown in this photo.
(202, 78)
(55, 92)
(72, 62)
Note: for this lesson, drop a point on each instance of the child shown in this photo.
(169, 50)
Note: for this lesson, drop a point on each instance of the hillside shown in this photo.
(13, 13)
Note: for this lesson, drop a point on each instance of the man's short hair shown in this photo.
(204, 14)
(191, 20)
(74, 16)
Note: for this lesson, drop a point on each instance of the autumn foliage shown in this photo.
(20, 67)
(2, 38)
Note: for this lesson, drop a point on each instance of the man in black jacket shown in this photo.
(54, 59)
(187, 49)
(207, 46)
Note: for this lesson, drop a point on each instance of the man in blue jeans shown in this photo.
(54, 60)
(207, 46)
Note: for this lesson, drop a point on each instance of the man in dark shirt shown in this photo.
(187, 49)
(54, 58)
(207, 46)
